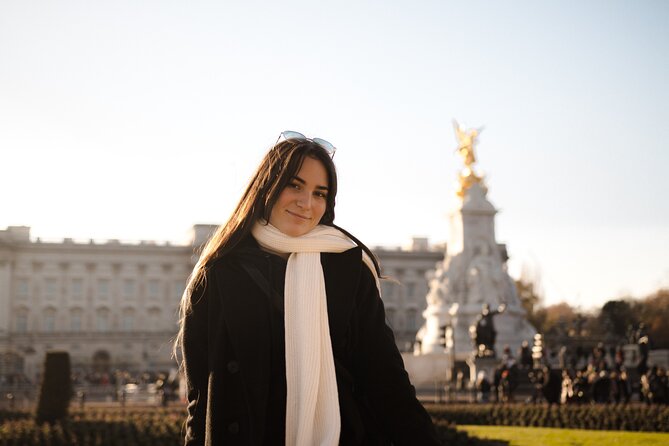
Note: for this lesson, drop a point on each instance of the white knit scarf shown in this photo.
(312, 403)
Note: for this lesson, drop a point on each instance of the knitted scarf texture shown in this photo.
(312, 403)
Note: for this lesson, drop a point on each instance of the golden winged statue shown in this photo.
(466, 142)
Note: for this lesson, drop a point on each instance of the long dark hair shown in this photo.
(279, 166)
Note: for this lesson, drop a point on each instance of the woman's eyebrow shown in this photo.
(301, 181)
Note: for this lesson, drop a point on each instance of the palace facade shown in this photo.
(113, 305)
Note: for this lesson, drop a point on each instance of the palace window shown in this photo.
(154, 289)
(49, 320)
(103, 289)
(102, 320)
(179, 287)
(22, 288)
(412, 319)
(154, 319)
(387, 290)
(21, 321)
(77, 288)
(50, 286)
(75, 320)
(411, 289)
(129, 288)
(128, 321)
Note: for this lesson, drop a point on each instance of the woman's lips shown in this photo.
(297, 215)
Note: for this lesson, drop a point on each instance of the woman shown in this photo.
(282, 326)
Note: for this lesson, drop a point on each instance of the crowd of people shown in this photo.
(116, 377)
(94, 386)
(597, 376)
(122, 386)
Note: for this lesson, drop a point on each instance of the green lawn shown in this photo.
(541, 436)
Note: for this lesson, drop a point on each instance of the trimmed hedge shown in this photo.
(99, 427)
(137, 427)
(630, 417)
(10, 415)
(152, 426)
(448, 435)
(56, 389)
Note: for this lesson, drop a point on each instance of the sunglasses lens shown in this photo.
(288, 134)
(326, 145)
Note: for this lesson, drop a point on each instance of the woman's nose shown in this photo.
(304, 201)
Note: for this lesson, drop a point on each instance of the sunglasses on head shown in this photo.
(289, 135)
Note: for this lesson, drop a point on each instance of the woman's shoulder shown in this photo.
(247, 247)
(348, 265)
(351, 257)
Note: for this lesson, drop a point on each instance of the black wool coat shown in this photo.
(226, 352)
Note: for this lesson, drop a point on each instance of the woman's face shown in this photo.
(302, 203)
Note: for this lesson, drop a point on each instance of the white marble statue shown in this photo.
(472, 274)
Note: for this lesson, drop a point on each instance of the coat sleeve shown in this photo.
(381, 375)
(194, 348)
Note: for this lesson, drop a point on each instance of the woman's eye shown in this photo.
(321, 194)
(294, 186)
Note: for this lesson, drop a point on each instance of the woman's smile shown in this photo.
(298, 215)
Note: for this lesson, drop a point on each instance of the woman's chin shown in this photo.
(294, 229)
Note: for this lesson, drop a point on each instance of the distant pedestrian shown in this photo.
(10, 400)
(482, 388)
(525, 355)
(122, 397)
(81, 396)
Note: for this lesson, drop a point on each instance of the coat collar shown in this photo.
(247, 305)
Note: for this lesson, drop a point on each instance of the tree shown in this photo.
(530, 299)
(654, 312)
(556, 320)
(615, 317)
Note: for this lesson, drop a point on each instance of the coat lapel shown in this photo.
(342, 274)
(245, 312)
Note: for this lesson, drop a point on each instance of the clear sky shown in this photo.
(137, 119)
